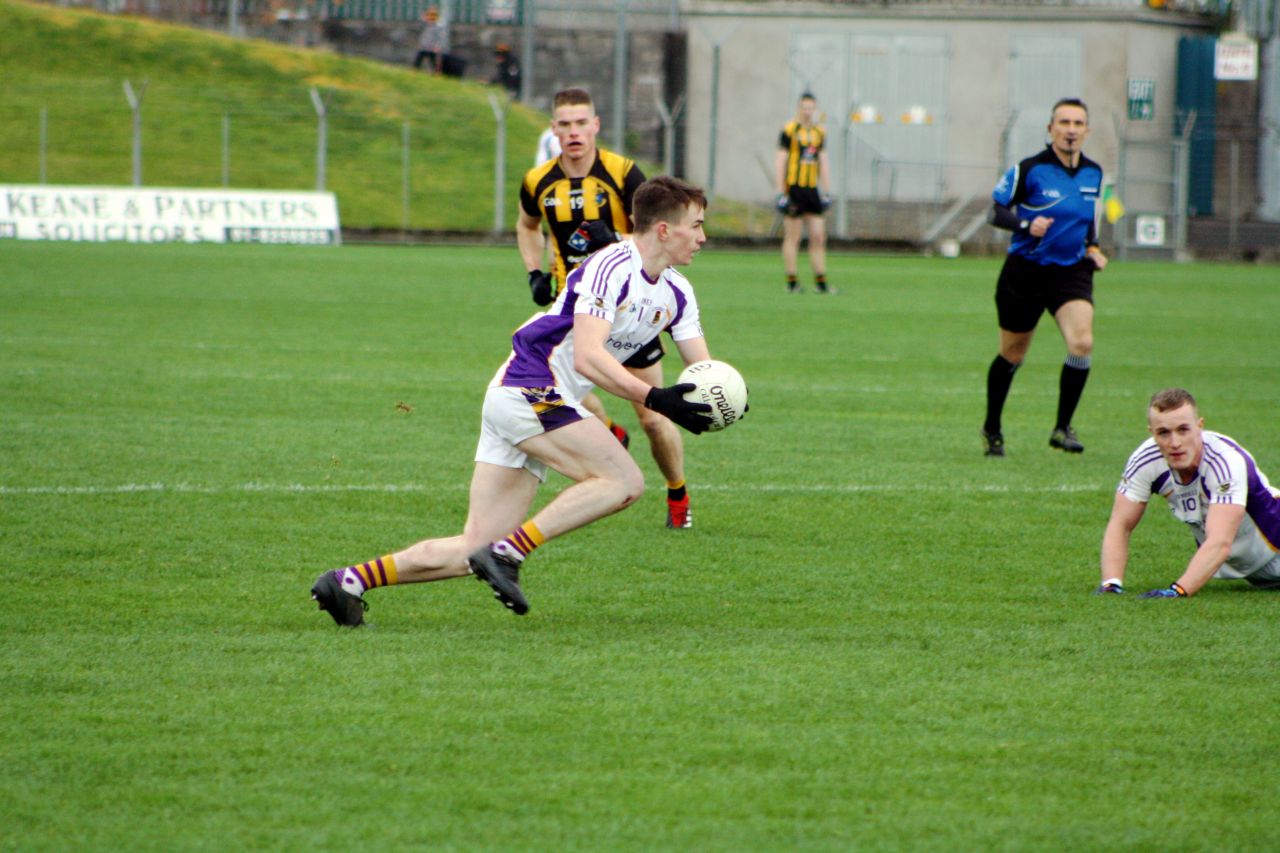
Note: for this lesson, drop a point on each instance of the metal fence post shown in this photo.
(135, 104)
(620, 79)
(1182, 165)
(322, 137)
(226, 149)
(526, 47)
(842, 202)
(669, 117)
(404, 176)
(44, 145)
(715, 120)
(499, 161)
(1233, 223)
(1120, 231)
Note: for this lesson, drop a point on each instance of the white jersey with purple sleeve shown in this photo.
(1227, 475)
(611, 285)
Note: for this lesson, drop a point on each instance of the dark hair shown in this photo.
(1068, 102)
(1170, 399)
(571, 98)
(664, 199)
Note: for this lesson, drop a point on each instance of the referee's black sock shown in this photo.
(999, 378)
(1075, 372)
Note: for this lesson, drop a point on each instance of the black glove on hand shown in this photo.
(542, 287)
(671, 402)
(598, 234)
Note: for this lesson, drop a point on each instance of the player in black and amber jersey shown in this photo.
(584, 196)
(583, 213)
(803, 177)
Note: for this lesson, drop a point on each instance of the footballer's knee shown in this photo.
(630, 487)
(653, 423)
(1081, 346)
(1014, 350)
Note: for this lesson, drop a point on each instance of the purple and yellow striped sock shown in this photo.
(373, 574)
(524, 540)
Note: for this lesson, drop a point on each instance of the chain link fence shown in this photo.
(403, 171)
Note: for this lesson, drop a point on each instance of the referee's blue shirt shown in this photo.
(1042, 186)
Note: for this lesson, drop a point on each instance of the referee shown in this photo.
(1049, 202)
(803, 176)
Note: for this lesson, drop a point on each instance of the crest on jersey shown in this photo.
(1223, 488)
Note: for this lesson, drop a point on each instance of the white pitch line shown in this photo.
(300, 488)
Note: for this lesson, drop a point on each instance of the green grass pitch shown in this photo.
(873, 638)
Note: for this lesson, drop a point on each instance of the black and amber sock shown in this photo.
(820, 282)
(677, 492)
(792, 284)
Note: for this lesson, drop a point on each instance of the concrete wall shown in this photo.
(762, 61)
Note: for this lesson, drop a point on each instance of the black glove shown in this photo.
(671, 402)
(598, 234)
(825, 201)
(782, 202)
(1111, 587)
(542, 286)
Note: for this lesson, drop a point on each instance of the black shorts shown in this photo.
(647, 357)
(804, 201)
(1026, 290)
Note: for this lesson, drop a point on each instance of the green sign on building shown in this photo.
(1142, 100)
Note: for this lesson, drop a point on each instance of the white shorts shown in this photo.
(1267, 575)
(512, 415)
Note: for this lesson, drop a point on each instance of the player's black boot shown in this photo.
(502, 574)
(992, 443)
(345, 608)
(1066, 439)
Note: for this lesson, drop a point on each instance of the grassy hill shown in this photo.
(73, 64)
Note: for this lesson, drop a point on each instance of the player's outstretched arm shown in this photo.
(1125, 515)
(1220, 526)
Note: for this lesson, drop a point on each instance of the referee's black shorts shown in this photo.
(1027, 289)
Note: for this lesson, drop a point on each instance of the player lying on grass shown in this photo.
(1213, 485)
(613, 305)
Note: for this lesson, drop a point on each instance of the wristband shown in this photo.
(1177, 587)
(1115, 581)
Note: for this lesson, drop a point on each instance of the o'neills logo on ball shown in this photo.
(722, 404)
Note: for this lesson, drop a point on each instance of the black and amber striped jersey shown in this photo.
(565, 203)
(802, 144)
